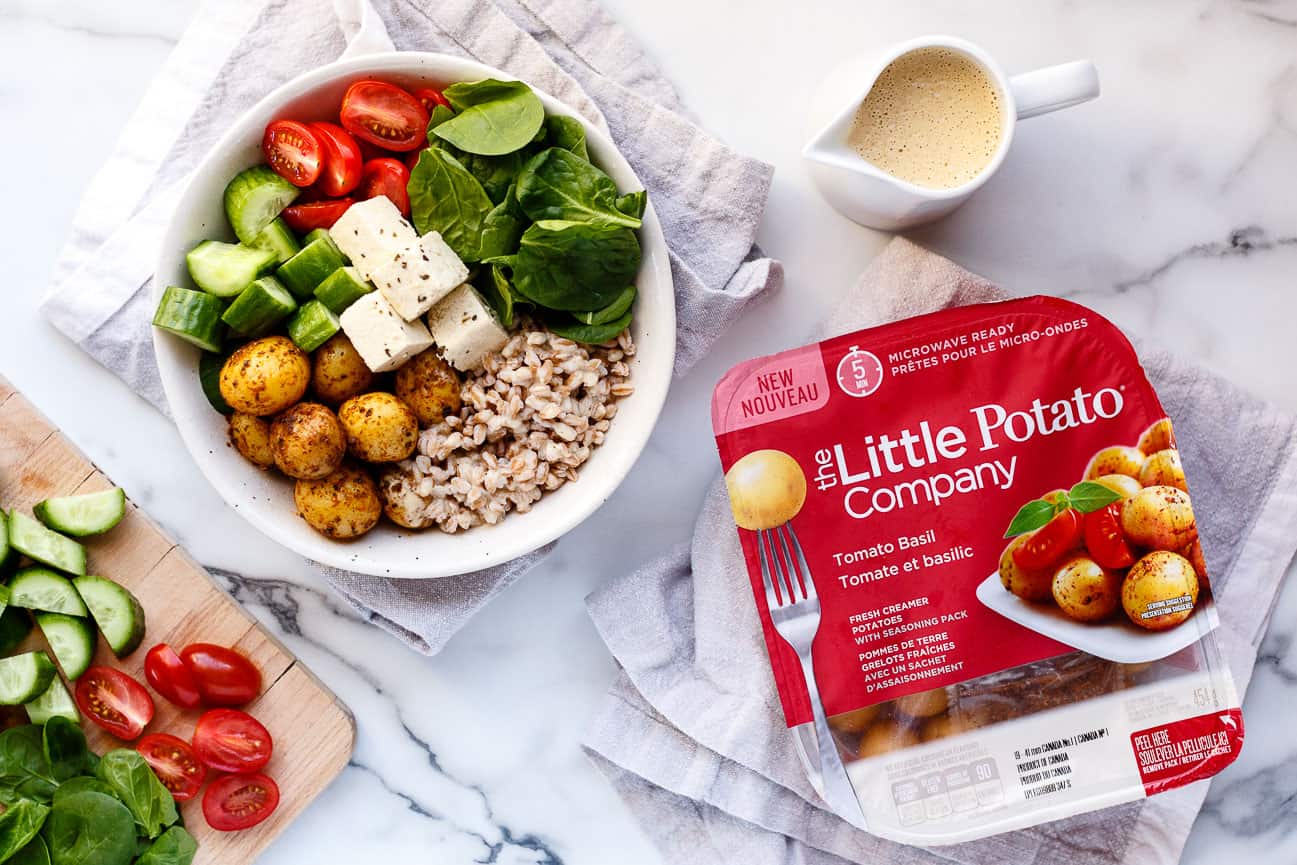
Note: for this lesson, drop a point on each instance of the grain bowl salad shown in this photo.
(426, 313)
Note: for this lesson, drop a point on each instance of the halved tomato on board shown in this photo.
(1050, 542)
(315, 214)
(342, 160)
(234, 802)
(384, 114)
(232, 741)
(293, 151)
(175, 764)
(1105, 540)
(167, 673)
(114, 701)
(387, 177)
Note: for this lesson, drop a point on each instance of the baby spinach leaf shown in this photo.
(440, 114)
(502, 228)
(65, 748)
(90, 829)
(495, 173)
(494, 117)
(173, 847)
(81, 784)
(633, 203)
(500, 293)
(575, 265)
(445, 197)
(134, 783)
(612, 311)
(25, 771)
(557, 184)
(567, 133)
(594, 334)
(35, 853)
(19, 824)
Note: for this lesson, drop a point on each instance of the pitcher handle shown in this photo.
(1054, 87)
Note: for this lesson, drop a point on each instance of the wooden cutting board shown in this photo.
(314, 732)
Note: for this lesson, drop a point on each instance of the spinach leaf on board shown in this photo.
(557, 184)
(90, 829)
(35, 853)
(567, 327)
(493, 117)
(139, 789)
(25, 771)
(633, 203)
(173, 847)
(64, 745)
(19, 824)
(445, 197)
(575, 266)
(81, 784)
(567, 133)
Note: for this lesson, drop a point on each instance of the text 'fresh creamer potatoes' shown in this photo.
(1015, 618)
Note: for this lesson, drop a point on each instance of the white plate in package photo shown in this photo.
(1117, 639)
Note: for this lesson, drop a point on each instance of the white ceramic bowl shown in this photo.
(265, 499)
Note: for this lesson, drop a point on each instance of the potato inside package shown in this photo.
(976, 562)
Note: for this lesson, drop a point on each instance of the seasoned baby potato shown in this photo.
(342, 506)
(944, 726)
(1123, 485)
(337, 371)
(307, 441)
(1194, 554)
(1158, 437)
(1117, 460)
(429, 386)
(767, 489)
(854, 722)
(924, 704)
(251, 437)
(887, 735)
(1160, 591)
(379, 427)
(1085, 591)
(1163, 468)
(1028, 585)
(265, 376)
(1159, 518)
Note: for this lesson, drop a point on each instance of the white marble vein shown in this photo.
(1169, 204)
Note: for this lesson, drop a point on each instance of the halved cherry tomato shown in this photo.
(431, 97)
(384, 114)
(1050, 542)
(387, 177)
(235, 802)
(114, 701)
(315, 214)
(167, 673)
(293, 150)
(228, 740)
(1105, 540)
(412, 159)
(342, 162)
(224, 677)
(175, 764)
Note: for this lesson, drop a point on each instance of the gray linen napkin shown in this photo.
(709, 198)
(691, 733)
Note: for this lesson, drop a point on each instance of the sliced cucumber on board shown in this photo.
(194, 316)
(7, 553)
(262, 305)
(254, 198)
(42, 589)
(225, 269)
(115, 610)
(310, 267)
(56, 702)
(279, 239)
(45, 546)
(15, 625)
(209, 378)
(312, 325)
(72, 639)
(83, 515)
(342, 288)
(25, 677)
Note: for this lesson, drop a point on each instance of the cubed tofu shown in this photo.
(465, 329)
(383, 339)
(371, 233)
(420, 275)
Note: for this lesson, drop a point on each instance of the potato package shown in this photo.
(979, 522)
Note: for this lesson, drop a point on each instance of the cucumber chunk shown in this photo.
(312, 325)
(315, 234)
(25, 677)
(194, 316)
(225, 269)
(72, 640)
(254, 198)
(209, 378)
(37, 588)
(47, 547)
(279, 239)
(342, 288)
(15, 625)
(83, 515)
(310, 267)
(116, 611)
(262, 305)
(56, 702)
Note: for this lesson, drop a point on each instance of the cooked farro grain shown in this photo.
(530, 418)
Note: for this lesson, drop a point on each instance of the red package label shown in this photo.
(1175, 754)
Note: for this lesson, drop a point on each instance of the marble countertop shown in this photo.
(1169, 205)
